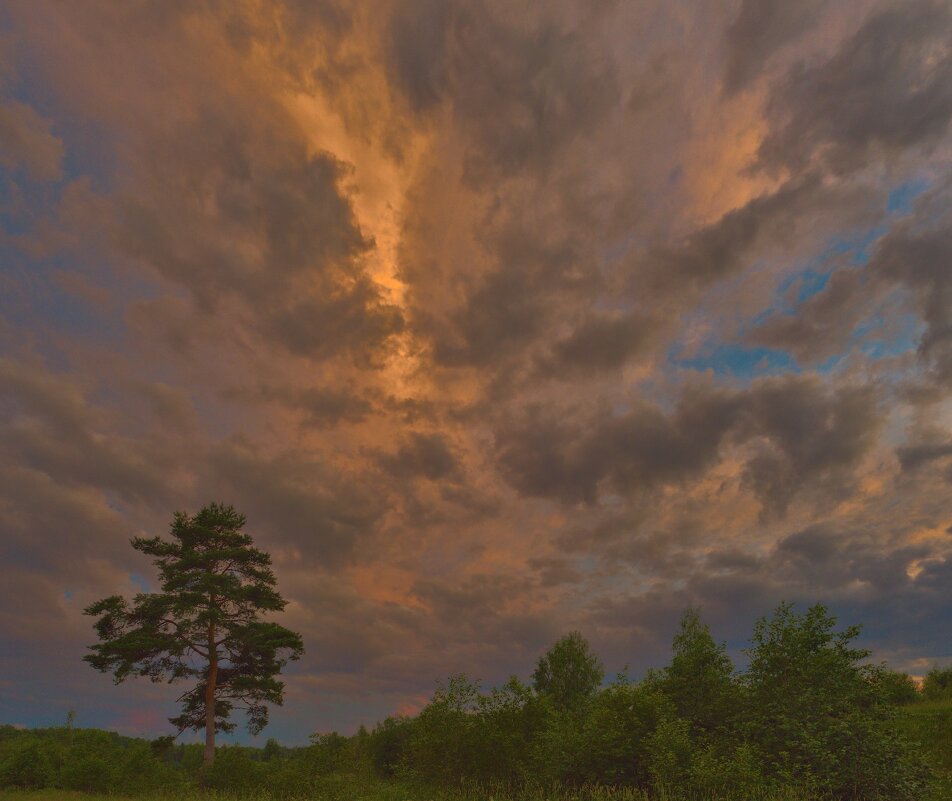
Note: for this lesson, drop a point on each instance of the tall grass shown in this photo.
(353, 789)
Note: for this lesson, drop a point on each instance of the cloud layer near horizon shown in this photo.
(496, 322)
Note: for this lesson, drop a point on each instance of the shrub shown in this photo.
(234, 771)
(937, 685)
(700, 680)
(897, 688)
(27, 762)
(816, 714)
(619, 739)
(388, 744)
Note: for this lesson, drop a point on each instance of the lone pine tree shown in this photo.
(204, 625)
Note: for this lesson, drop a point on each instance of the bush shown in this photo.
(937, 685)
(618, 742)
(817, 715)
(234, 771)
(388, 744)
(27, 762)
(700, 680)
(897, 688)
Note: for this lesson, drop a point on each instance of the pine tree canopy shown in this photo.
(204, 625)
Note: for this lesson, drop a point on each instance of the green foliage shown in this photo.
(329, 752)
(809, 720)
(234, 770)
(937, 685)
(444, 746)
(618, 742)
(731, 772)
(897, 688)
(568, 673)
(700, 679)
(27, 762)
(815, 712)
(388, 745)
(204, 625)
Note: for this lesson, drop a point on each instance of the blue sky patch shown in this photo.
(901, 198)
(140, 582)
(730, 359)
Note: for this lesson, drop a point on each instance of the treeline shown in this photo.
(809, 714)
(95, 761)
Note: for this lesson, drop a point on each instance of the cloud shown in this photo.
(306, 507)
(601, 342)
(427, 455)
(912, 457)
(800, 431)
(820, 326)
(480, 312)
(26, 140)
(758, 32)
(885, 91)
(51, 429)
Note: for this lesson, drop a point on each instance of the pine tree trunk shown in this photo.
(210, 698)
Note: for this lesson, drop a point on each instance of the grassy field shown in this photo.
(929, 724)
(396, 792)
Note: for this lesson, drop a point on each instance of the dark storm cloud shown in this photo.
(281, 237)
(300, 501)
(499, 317)
(722, 248)
(351, 319)
(812, 433)
(521, 90)
(836, 560)
(801, 431)
(417, 50)
(918, 258)
(481, 606)
(887, 90)
(49, 427)
(600, 342)
(761, 28)
(322, 407)
(55, 529)
(427, 455)
(912, 457)
(522, 93)
(554, 571)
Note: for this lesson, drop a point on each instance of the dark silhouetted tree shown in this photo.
(203, 626)
(568, 673)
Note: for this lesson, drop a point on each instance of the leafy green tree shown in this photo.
(203, 626)
(444, 734)
(937, 684)
(817, 714)
(700, 679)
(617, 740)
(898, 688)
(568, 673)
(389, 745)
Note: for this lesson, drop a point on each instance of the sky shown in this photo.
(497, 319)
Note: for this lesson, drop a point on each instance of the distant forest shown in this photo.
(809, 717)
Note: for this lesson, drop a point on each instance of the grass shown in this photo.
(390, 791)
(929, 725)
